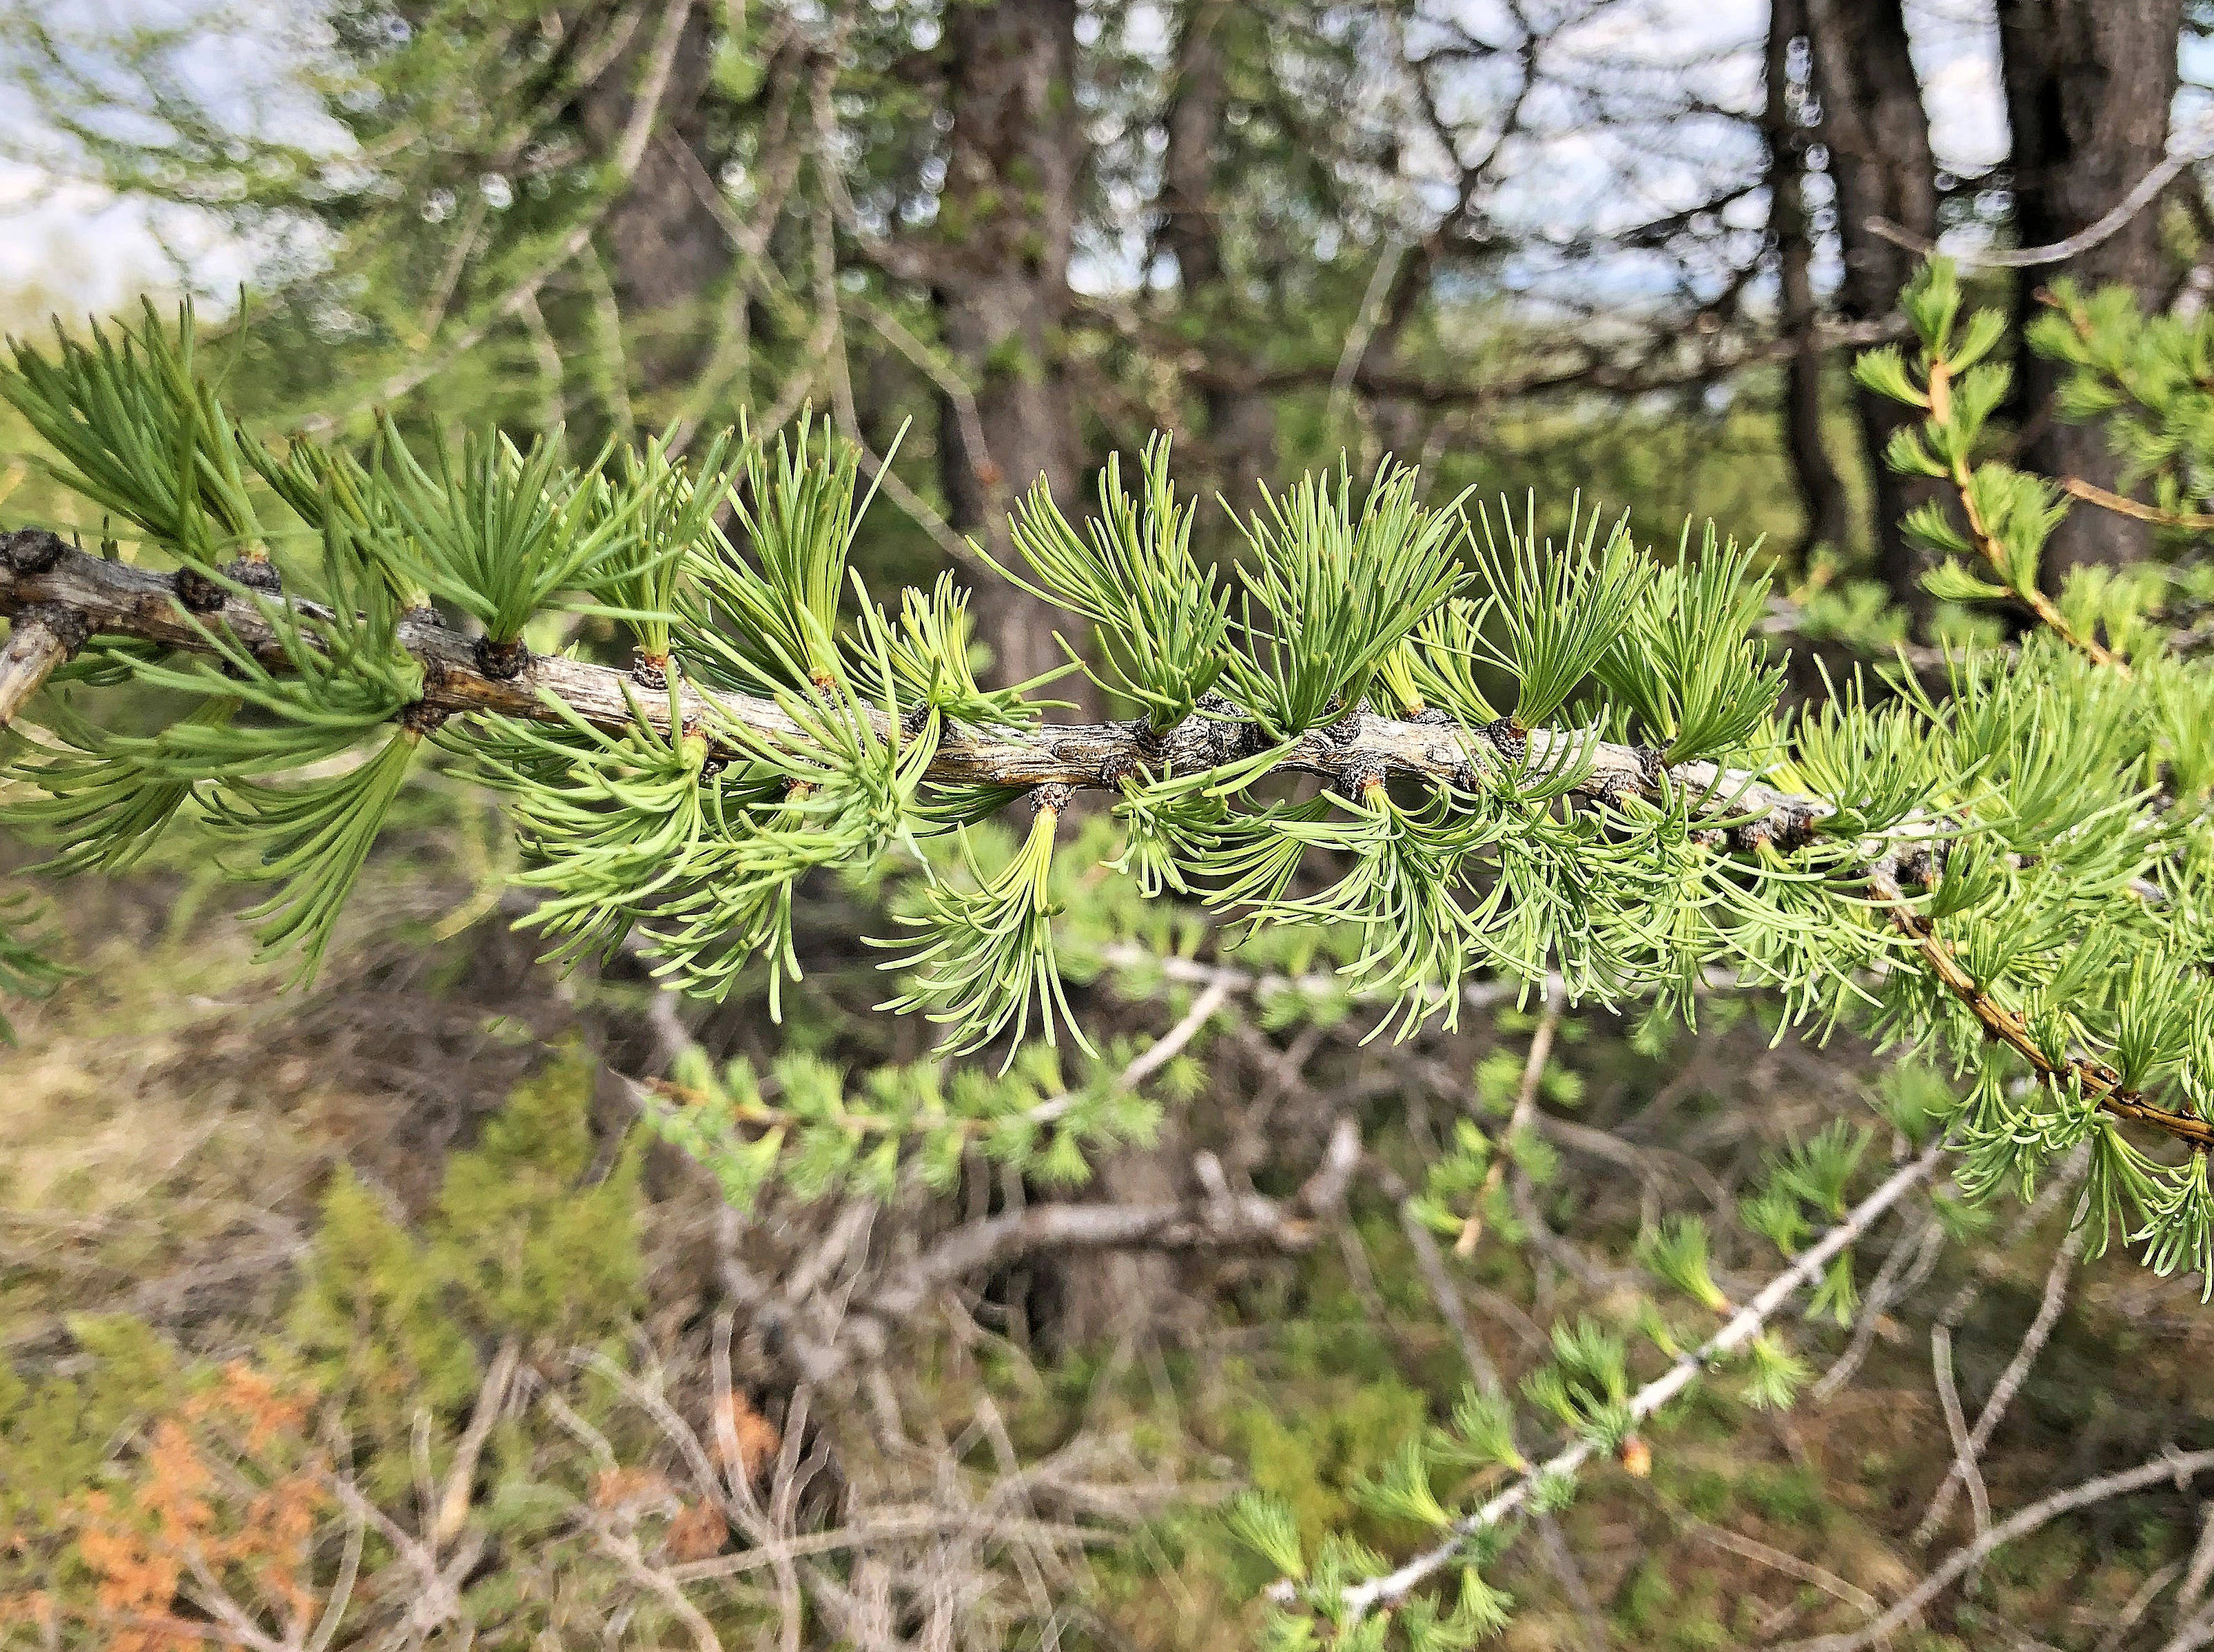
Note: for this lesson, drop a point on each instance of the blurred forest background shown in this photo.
(1615, 248)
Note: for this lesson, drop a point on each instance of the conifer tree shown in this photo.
(1567, 763)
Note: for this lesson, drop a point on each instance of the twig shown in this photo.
(2003, 1392)
(1762, 1554)
(491, 1397)
(2048, 615)
(1740, 1329)
(2202, 1564)
(45, 635)
(1525, 1102)
(2137, 1605)
(2174, 1466)
(2198, 147)
(1956, 1428)
(2101, 1083)
(1908, 1264)
(2122, 505)
(118, 600)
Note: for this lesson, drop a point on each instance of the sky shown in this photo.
(73, 246)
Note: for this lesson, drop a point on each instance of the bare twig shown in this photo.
(1740, 1329)
(2003, 1392)
(1525, 1102)
(1964, 1452)
(2173, 1466)
(2197, 146)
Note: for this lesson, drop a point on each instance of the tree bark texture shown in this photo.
(665, 254)
(2089, 83)
(1877, 135)
(1821, 492)
(1006, 226)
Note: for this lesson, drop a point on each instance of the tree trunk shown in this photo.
(2089, 83)
(664, 251)
(1006, 222)
(1821, 492)
(1241, 424)
(1879, 160)
(1006, 219)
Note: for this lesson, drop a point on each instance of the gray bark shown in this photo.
(1006, 226)
(1829, 519)
(2089, 83)
(1877, 134)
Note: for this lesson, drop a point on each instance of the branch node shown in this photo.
(650, 670)
(198, 592)
(1122, 765)
(502, 661)
(1346, 728)
(1359, 776)
(1508, 736)
(65, 624)
(31, 550)
(423, 717)
(1052, 798)
(1752, 835)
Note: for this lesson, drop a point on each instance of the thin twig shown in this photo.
(1740, 1329)
(2122, 505)
(2003, 1392)
(2173, 1466)
(1526, 1103)
(2198, 146)
(1956, 1427)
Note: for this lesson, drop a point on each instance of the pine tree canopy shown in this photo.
(1567, 763)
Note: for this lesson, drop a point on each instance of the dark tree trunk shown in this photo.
(2089, 83)
(1821, 492)
(1008, 220)
(665, 254)
(1241, 424)
(1877, 134)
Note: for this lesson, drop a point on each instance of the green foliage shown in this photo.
(538, 1244)
(823, 1133)
(523, 1240)
(1675, 1253)
(1482, 1433)
(1776, 1375)
(25, 970)
(670, 505)
(2143, 378)
(987, 951)
(1586, 1385)
(776, 628)
(2023, 851)
(499, 531)
(1684, 664)
(1163, 624)
(1266, 1524)
(138, 431)
(1561, 613)
(1340, 589)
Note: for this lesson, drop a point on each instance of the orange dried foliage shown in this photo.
(256, 1539)
(753, 1435)
(696, 1533)
(628, 1490)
